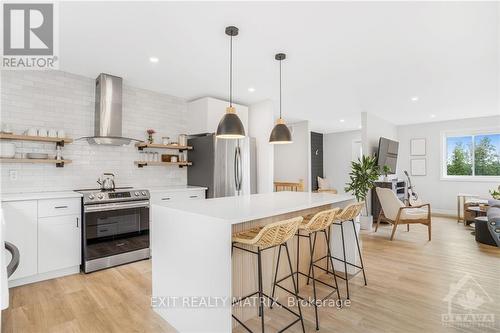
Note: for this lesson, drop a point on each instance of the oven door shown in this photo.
(115, 228)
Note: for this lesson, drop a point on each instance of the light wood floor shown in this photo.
(407, 281)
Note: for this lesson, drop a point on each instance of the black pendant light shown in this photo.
(280, 133)
(230, 126)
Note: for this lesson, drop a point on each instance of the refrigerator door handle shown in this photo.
(239, 168)
(236, 169)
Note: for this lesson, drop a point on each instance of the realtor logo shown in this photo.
(465, 299)
(29, 32)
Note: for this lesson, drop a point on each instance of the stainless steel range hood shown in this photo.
(108, 112)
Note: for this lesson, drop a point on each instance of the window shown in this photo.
(473, 155)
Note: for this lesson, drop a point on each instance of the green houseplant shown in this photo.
(495, 194)
(364, 173)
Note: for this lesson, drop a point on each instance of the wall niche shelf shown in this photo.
(57, 141)
(142, 145)
(58, 163)
(141, 164)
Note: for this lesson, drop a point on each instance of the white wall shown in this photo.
(373, 128)
(260, 124)
(442, 194)
(55, 99)
(337, 157)
(292, 162)
(204, 114)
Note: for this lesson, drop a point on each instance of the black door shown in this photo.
(316, 159)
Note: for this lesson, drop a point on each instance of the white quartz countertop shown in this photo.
(178, 188)
(256, 206)
(4, 197)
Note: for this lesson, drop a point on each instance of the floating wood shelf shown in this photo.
(142, 145)
(58, 163)
(141, 164)
(58, 141)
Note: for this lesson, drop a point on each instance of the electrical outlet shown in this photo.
(13, 175)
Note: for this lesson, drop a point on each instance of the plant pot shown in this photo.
(366, 222)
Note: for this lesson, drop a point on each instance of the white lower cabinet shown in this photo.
(48, 236)
(21, 230)
(58, 242)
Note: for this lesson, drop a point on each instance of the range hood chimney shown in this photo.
(108, 112)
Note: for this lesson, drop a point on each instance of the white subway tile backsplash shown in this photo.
(59, 100)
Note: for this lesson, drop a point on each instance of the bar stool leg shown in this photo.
(311, 247)
(298, 257)
(261, 294)
(359, 250)
(311, 264)
(345, 260)
(295, 286)
(276, 277)
(329, 259)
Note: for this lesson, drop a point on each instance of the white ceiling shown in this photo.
(342, 58)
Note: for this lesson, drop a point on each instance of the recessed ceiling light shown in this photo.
(414, 99)
(341, 120)
(251, 89)
(154, 59)
(433, 116)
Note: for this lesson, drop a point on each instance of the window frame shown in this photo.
(444, 154)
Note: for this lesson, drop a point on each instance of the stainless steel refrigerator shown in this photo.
(226, 167)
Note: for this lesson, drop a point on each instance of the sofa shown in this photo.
(488, 232)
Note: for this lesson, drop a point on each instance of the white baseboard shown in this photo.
(444, 212)
(44, 276)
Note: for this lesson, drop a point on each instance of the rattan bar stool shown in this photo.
(348, 214)
(264, 238)
(309, 228)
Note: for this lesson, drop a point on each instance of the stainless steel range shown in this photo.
(115, 227)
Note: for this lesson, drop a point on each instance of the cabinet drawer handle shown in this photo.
(165, 198)
(193, 196)
(60, 207)
(77, 222)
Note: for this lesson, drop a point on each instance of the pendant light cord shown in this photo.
(231, 72)
(280, 89)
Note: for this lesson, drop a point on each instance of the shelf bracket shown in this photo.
(60, 165)
(140, 148)
(140, 165)
(60, 143)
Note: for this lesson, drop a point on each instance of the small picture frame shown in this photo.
(418, 167)
(417, 147)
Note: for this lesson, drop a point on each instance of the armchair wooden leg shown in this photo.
(378, 221)
(429, 229)
(394, 230)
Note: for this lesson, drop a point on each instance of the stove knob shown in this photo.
(136, 194)
(100, 196)
(91, 197)
(144, 193)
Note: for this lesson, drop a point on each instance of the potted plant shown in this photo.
(363, 176)
(385, 171)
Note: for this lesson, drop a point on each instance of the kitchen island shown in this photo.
(193, 273)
